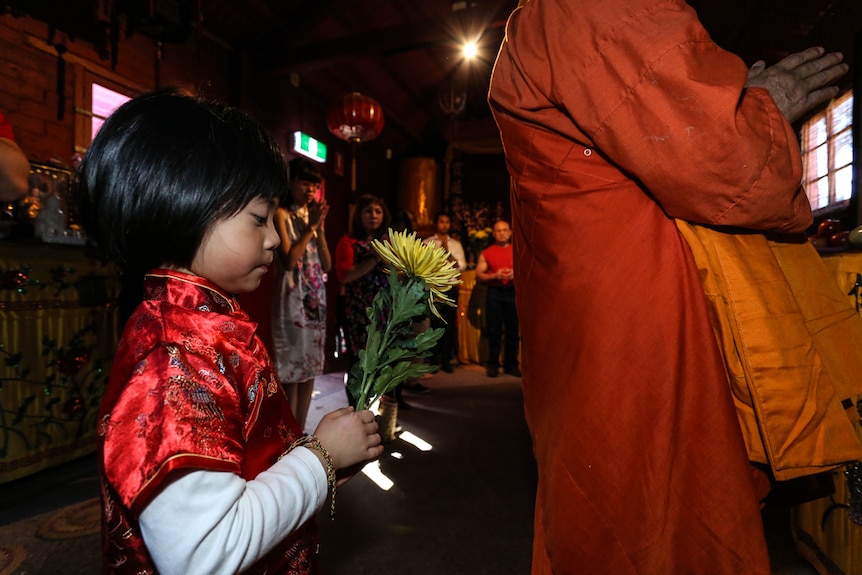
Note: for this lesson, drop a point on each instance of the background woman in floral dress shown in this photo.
(359, 269)
(299, 305)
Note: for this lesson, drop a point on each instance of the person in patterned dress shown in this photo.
(360, 270)
(299, 298)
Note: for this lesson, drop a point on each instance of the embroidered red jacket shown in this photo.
(192, 387)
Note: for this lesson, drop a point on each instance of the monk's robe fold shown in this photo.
(792, 343)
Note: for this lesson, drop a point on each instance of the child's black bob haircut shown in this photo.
(163, 168)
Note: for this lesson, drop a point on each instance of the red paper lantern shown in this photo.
(355, 118)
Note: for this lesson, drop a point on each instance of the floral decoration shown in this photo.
(419, 277)
(59, 307)
(71, 375)
(471, 222)
(15, 280)
(480, 239)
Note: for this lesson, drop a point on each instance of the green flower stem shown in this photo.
(367, 375)
(367, 381)
(391, 350)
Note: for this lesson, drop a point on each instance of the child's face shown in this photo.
(303, 192)
(237, 251)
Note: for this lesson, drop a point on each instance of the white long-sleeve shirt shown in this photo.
(215, 522)
(455, 248)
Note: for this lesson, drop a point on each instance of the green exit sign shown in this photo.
(309, 147)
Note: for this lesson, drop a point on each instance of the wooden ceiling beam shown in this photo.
(391, 40)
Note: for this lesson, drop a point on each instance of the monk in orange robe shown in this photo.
(617, 118)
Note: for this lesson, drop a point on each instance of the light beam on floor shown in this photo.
(415, 441)
(372, 471)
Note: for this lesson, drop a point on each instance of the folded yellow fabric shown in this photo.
(792, 344)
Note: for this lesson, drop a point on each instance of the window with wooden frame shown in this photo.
(97, 97)
(827, 156)
(104, 102)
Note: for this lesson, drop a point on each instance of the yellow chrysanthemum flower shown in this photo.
(411, 256)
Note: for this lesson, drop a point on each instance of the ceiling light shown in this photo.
(470, 50)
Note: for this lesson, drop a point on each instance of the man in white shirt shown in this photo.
(445, 348)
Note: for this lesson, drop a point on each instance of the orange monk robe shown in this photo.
(617, 117)
(792, 344)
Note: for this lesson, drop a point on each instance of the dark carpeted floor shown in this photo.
(452, 495)
(460, 502)
(463, 503)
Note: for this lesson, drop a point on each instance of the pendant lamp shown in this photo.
(354, 118)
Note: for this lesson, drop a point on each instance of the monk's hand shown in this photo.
(799, 82)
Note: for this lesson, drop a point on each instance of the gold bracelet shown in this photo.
(313, 443)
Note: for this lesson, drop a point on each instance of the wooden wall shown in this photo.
(29, 94)
(53, 132)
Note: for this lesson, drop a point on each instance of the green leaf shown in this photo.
(396, 353)
(391, 377)
(411, 302)
(354, 381)
(22, 409)
(427, 339)
(381, 382)
(369, 356)
(417, 370)
(12, 360)
(393, 351)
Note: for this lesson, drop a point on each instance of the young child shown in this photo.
(203, 467)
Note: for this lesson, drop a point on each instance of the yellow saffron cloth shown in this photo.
(792, 344)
